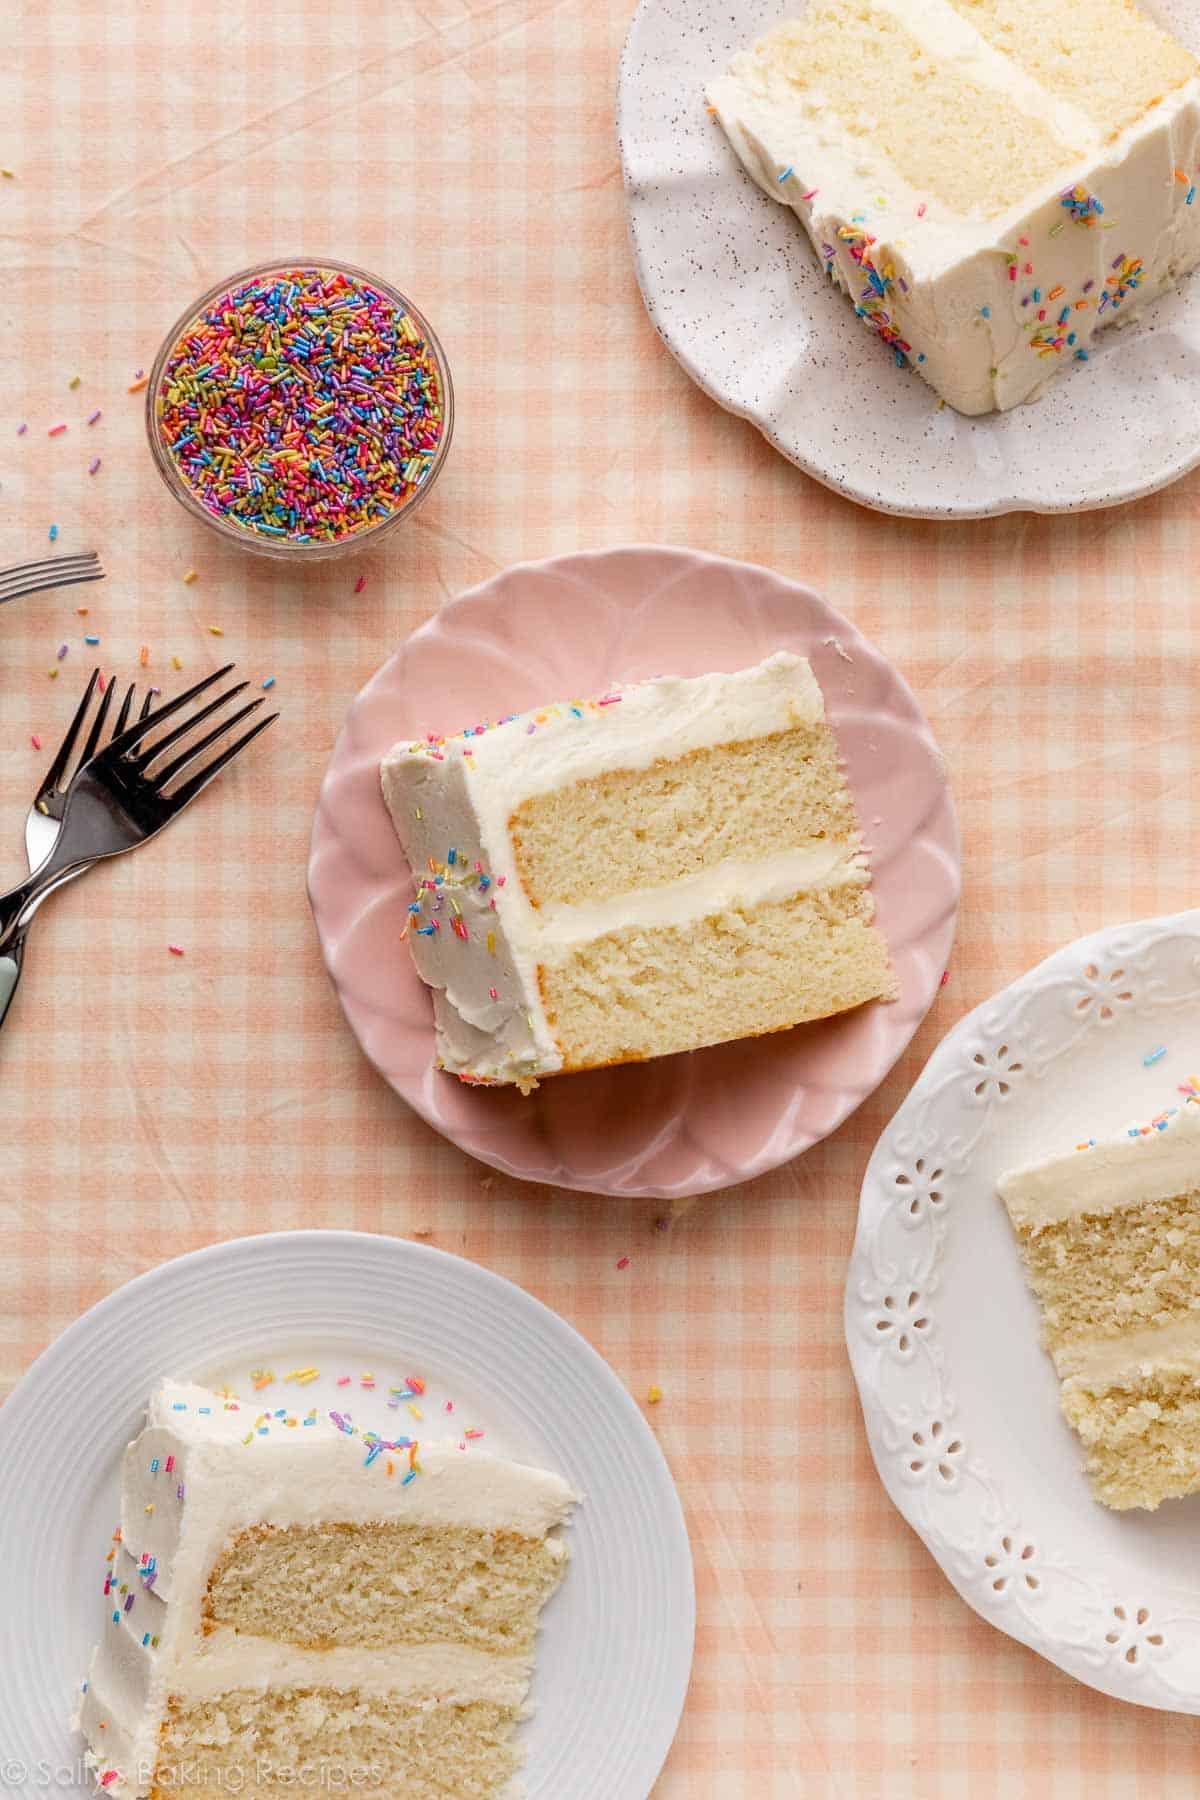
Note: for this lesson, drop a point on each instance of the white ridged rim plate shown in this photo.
(615, 1655)
(960, 1401)
(734, 290)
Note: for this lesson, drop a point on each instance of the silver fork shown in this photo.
(51, 572)
(50, 802)
(124, 795)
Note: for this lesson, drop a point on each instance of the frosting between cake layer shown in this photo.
(1112, 1361)
(1128, 1171)
(964, 298)
(454, 1673)
(557, 926)
(482, 962)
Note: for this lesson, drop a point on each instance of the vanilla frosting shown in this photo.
(1168, 1349)
(966, 299)
(207, 1467)
(1157, 1163)
(451, 800)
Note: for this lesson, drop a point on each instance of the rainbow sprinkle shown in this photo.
(873, 302)
(302, 405)
(1127, 276)
(445, 880)
(1083, 207)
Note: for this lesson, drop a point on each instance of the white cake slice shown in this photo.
(990, 181)
(669, 865)
(287, 1593)
(1109, 1235)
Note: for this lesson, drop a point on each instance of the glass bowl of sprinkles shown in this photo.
(301, 409)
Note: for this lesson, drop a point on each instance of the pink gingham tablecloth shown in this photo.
(150, 1103)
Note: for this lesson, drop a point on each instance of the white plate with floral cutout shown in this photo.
(615, 1654)
(960, 1401)
(733, 288)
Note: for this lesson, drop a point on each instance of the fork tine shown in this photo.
(126, 703)
(65, 564)
(47, 581)
(147, 703)
(162, 776)
(51, 562)
(93, 737)
(191, 788)
(154, 751)
(133, 734)
(54, 774)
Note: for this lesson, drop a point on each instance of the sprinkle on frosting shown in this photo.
(873, 302)
(439, 888)
(433, 744)
(1083, 207)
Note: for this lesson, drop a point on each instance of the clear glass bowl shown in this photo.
(291, 549)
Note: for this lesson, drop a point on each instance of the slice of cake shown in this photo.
(990, 181)
(1110, 1238)
(291, 1599)
(672, 864)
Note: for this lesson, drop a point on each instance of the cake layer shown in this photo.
(863, 64)
(1105, 57)
(1102, 1275)
(1142, 1438)
(1142, 1167)
(327, 1585)
(744, 971)
(632, 829)
(293, 1740)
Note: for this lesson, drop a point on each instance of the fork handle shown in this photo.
(18, 906)
(11, 961)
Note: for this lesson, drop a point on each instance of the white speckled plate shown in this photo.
(732, 286)
(960, 1401)
(615, 1655)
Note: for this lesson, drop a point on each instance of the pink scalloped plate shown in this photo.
(576, 625)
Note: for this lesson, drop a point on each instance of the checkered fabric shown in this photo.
(150, 1103)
